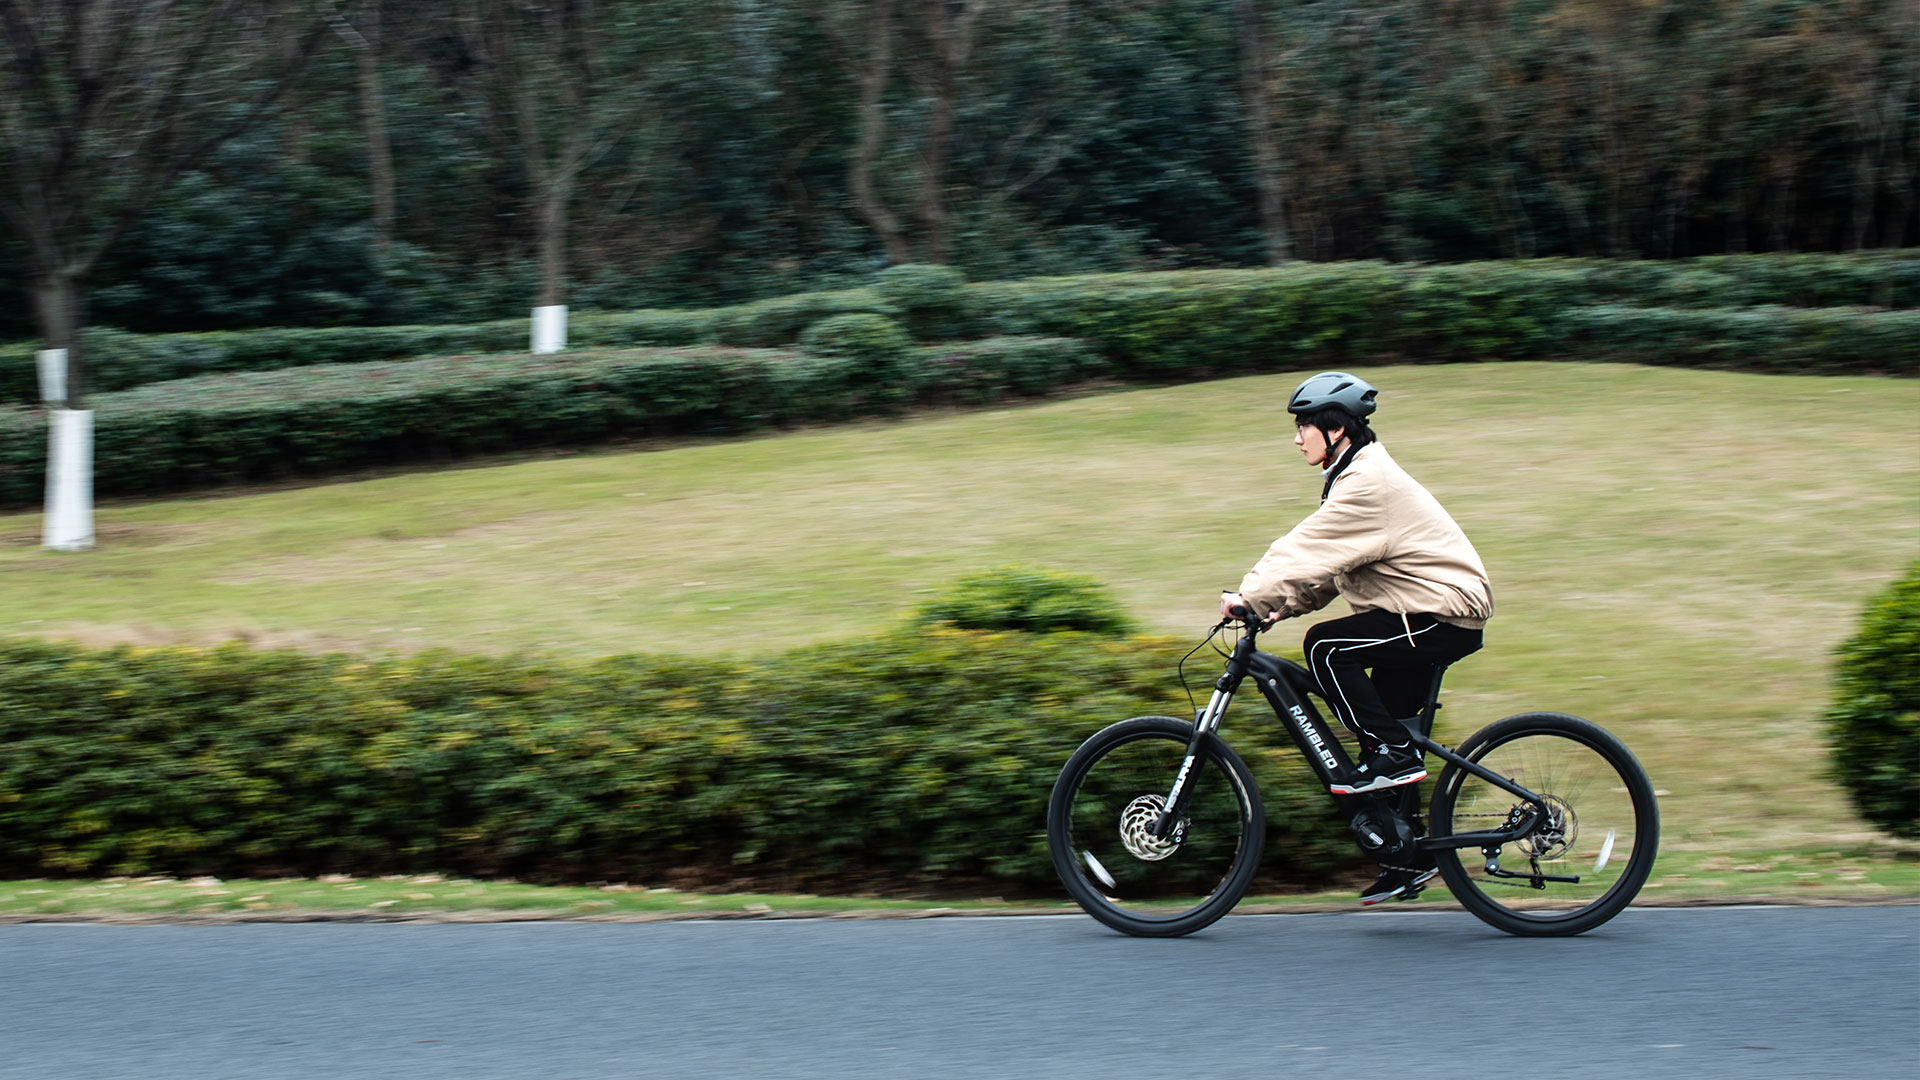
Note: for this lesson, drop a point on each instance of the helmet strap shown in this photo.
(1326, 435)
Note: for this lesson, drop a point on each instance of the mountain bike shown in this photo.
(1541, 824)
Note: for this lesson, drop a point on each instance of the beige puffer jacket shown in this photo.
(1383, 542)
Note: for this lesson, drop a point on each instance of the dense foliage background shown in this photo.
(733, 149)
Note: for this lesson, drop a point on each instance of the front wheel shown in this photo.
(1100, 820)
(1602, 826)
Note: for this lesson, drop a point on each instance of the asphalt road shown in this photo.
(1723, 992)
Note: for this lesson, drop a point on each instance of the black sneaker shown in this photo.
(1386, 767)
(1396, 884)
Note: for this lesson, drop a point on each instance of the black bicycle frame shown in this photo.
(1285, 685)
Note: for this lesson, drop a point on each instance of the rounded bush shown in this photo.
(1873, 726)
(873, 340)
(869, 353)
(931, 299)
(1027, 598)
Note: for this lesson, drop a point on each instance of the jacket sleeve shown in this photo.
(1296, 575)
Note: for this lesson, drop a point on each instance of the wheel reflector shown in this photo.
(1606, 852)
(1106, 879)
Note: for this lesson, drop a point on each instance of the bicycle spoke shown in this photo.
(1596, 840)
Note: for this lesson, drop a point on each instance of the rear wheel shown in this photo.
(1602, 826)
(1100, 818)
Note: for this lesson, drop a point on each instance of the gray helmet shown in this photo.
(1330, 389)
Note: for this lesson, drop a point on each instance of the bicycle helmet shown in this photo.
(1333, 389)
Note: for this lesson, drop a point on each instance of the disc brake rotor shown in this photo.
(1553, 837)
(1136, 829)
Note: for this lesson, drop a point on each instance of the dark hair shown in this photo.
(1333, 416)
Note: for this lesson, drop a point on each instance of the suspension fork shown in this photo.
(1205, 724)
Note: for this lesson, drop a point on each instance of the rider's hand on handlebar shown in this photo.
(1230, 601)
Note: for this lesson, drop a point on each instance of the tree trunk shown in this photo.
(68, 517)
(950, 45)
(57, 304)
(1267, 171)
(552, 211)
(930, 205)
(373, 119)
(872, 74)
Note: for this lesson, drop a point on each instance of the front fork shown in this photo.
(1205, 723)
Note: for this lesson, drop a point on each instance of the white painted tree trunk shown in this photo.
(53, 377)
(69, 520)
(550, 328)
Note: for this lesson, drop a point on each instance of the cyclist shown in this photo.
(1418, 591)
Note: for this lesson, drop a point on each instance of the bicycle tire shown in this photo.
(1605, 825)
(1144, 890)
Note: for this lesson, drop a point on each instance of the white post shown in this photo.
(550, 328)
(69, 521)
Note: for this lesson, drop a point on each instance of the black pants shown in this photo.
(1403, 656)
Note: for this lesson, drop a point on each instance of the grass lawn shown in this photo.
(1863, 876)
(1675, 554)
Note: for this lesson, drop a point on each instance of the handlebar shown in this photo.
(1239, 613)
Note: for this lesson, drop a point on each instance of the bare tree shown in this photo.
(107, 102)
(553, 72)
(103, 105)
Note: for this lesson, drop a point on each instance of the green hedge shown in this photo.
(315, 420)
(117, 360)
(1873, 726)
(1204, 323)
(1789, 340)
(993, 369)
(1167, 324)
(916, 760)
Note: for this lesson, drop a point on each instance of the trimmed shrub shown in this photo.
(1873, 725)
(930, 299)
(780, 321)
(921, 759)
(874, 341)
(1753, 339)
(1173, 324)
(1198, 324)
(980, 372)
(1029, 599)
(314, 420)
(873, 349)
(1881, 279)
(117, 360)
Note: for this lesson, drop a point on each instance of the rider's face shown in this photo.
(1313, 442)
